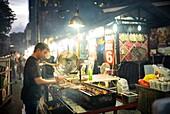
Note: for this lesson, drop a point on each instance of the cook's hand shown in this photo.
(44, 62)
(59, 78)
(41, 64)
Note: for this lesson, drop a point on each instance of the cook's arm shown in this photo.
(41, 81)
(47, 63)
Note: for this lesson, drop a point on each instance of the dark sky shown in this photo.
(87, 10)
(20, 8)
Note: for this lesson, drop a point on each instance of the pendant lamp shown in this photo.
(76, 21)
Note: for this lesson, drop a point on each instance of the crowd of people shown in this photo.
(17, 62)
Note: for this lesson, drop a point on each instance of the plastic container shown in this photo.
(164, 86)
(129, 97)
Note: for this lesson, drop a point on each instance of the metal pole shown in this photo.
(78, 43)
(79, 68)
(38, 21)
(117, 56)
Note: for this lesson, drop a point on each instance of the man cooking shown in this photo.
(31, 90)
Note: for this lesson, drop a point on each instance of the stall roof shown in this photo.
(156, 13)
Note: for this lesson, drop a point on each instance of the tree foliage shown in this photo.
(7, 17)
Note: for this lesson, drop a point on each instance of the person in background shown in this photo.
(17, 63)
(47, 72)
(31, 90)
(21, 60)
(13, 65)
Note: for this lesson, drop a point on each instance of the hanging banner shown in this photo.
(100, 50)
(109, 51)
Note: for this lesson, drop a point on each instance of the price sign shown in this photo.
(109, 53)
(109, 56)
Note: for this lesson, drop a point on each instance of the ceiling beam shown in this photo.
(106, 18)
(155, 10)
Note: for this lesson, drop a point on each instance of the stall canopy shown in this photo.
(155, 13)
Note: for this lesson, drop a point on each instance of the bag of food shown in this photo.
(122, 85)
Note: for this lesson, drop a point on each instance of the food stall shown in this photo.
(129, 48)
(86, 98)
(5, 81)
(82, 95)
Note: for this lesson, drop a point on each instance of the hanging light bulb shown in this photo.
(76, 21)
(139, 28)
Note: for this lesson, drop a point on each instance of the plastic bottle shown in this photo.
(90, 73)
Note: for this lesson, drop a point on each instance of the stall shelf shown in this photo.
(146, 96)
(133, 53)
(161, 59)
(5, 81)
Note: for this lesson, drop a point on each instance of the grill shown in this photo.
(57, 106)
(91, 96)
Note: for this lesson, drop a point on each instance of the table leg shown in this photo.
(115, 112)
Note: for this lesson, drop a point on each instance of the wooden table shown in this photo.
(96, 78)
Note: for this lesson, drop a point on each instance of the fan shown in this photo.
(67, 62)
(103, 68)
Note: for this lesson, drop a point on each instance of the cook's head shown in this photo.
(40, 50)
